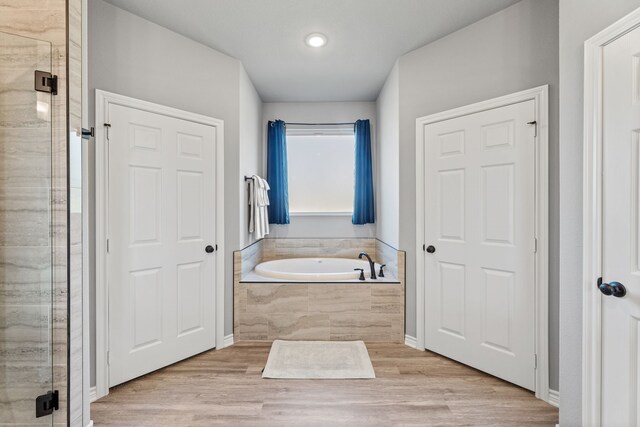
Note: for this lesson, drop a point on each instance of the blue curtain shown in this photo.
(277, 173)
(363, 205)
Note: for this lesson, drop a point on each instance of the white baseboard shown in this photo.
(228, 340)
(410, 341)
(93, 395)
(90, 423)
(554, 398)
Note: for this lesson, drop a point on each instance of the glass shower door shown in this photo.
(26, 365)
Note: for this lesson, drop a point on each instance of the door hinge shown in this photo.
(46, 82)
(108, 358)
(535, 245)
(535, 361)
(107, 245)
(47, 403)
(88, 133)
(534, 123)
(108, 126)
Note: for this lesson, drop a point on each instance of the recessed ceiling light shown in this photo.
(316, 40)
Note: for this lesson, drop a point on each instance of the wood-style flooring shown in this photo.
(225, 388)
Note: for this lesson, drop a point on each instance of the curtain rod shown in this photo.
(319, 124)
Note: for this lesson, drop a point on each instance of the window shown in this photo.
(321, 171)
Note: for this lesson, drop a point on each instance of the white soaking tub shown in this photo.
(315, 269)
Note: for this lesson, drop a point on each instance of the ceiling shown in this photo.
(365, 37)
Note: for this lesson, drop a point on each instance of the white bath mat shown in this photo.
(318, 360)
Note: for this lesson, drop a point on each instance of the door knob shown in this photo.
(431, 249)
(209, 249)
(616, 289)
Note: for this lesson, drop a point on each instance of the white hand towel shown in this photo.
(252, 205)
(259, 233)
(258, 202)
(265, 201)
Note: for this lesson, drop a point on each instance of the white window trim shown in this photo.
(349, 214)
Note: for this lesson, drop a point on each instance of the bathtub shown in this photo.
(317, 298)
(315, 269)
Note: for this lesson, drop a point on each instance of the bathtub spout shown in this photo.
(371, 264)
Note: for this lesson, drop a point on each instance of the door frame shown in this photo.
(592, 215)
(103, 101)
(540, 96)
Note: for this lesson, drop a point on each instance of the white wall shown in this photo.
(320, 112)
(579, 20)
(134, 57)
(512, 50)
(388, 165)
(250, 149)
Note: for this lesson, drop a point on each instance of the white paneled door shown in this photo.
(161, 240)
(621, 232)
(480, 242)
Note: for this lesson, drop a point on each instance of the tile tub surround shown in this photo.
(316, 248)
(388, 255)
(244, 261)
(320, 311)
(250, 257)
(366, 311)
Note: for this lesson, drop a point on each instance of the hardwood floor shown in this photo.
(225, 388)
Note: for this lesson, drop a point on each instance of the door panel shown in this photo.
(146, 298)
(190, 291)
(480, 205)
(498, 204)
(190, 146)
(451, 144)
(497, 310)
(161, 218)
(190, 195)
(498, 136)
(145, 201)
(621, 239)
(452, 289)
(452, 204)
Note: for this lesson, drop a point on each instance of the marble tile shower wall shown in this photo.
(25, 246)
(33, 230)
(78, 415)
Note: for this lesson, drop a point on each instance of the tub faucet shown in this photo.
(371, 264)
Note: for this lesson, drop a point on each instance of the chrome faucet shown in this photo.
(371, 264)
